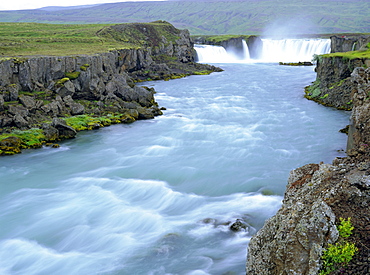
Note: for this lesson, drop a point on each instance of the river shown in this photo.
(158, 196)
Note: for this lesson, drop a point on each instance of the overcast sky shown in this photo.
(35, 4)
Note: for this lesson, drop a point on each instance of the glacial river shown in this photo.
(158, 196)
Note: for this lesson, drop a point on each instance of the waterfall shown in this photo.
(245, 50)
(273, 50)
(211, 54)
(293, 50)
(218, 54)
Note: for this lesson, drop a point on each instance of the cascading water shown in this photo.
(273, 50)
(293, 50)
(218, 54)
(245, 50)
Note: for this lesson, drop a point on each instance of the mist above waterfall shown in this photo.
(292, 28)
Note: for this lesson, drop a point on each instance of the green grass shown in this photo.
(218, 17)
(365, 54)
(216, 39)
(30, 39)
(350, 55)
(86, 122)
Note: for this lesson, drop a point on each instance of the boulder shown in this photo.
(20, 122)
(28, 102)
(66, 89)
(64, 130)
(51, 133)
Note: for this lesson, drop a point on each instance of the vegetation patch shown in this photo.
(341, 253)
(87, 122)
(12, 143)
(313, 90)
(72, 75)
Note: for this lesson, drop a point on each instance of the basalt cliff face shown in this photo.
(333, 85)
(40, 92)
(318, 195)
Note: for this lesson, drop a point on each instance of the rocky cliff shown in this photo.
(43, 92)
(333, 86)
(318, 195)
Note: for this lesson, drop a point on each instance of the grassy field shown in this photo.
(219, 17)
(29, 39)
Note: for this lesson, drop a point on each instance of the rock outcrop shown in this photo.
(317, 195)
(346, 43)
(47, 89)
(333, 86)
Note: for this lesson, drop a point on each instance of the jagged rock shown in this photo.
(28, 102)
(51, 133)
(67, 89)
(18, 110)
(20, 122)
(145, 113)
(77, 109)
(292, 241)
(11, 92)
(64, 130)
(6, 121)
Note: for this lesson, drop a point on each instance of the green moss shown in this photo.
(72, 75)
(87, 122)
(313, 90)
(33, 138)
(61, 82)
(84, 67)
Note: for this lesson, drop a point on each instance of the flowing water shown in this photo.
(158, 196)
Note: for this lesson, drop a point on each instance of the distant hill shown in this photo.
(218, 17)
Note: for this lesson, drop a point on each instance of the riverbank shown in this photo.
(46, 98)
(319, 195)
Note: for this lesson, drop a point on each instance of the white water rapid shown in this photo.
(157, 197)
(273, 50)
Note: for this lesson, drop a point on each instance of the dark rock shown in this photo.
(51, 133)
(346, 43)
(18, 110)
(11, 92)
(64, 130)
(28, 102)
(77, 109)
(67, 89)
(145, 113)
(20, 122)
(6, 121)
(238, 225)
